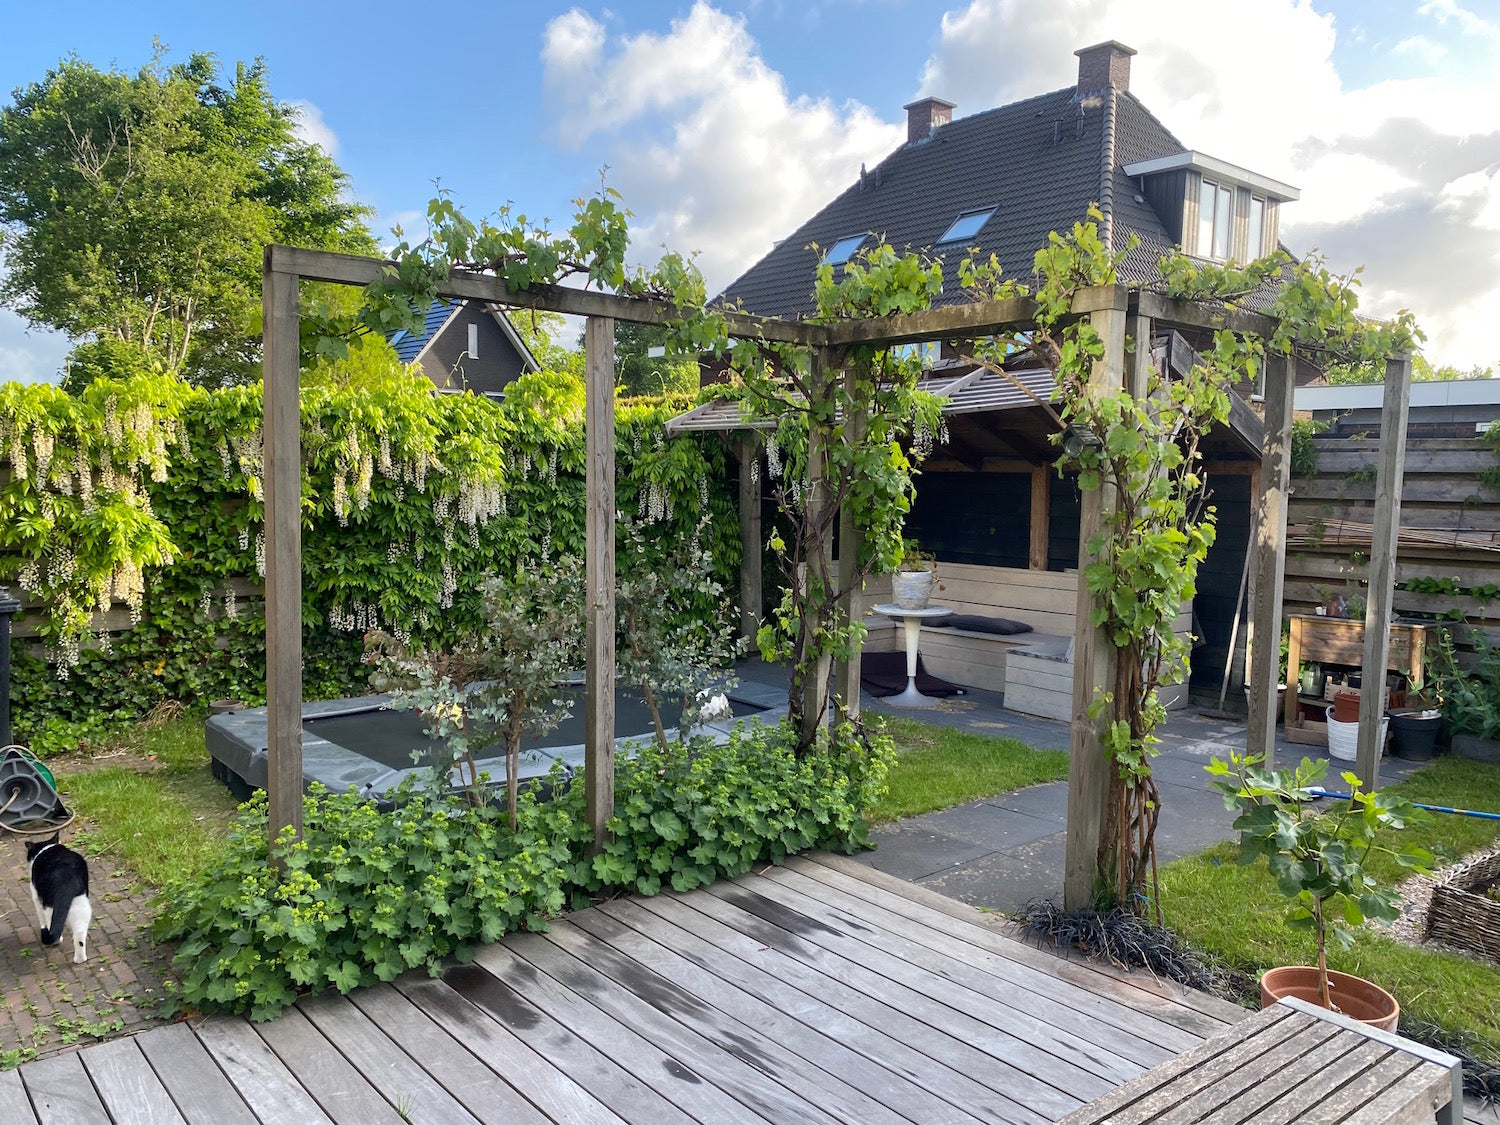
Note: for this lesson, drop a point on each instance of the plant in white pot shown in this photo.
(914, 578)
(1318, 862)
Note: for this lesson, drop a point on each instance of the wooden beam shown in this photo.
(282, 429)
(1041, 515)
(599, 567)
(352, 269)
(747, 448)
(1093, 657)
(851, 609)
(1382, 581)
(1268, 562)
(1171, 312)
(979, 318)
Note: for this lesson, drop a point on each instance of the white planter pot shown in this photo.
(912, 589)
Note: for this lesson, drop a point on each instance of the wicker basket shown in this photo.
(1462, 918)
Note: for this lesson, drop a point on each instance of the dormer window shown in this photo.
(1215, 210)
(1256, 236)
(842, 250)
(967, 225)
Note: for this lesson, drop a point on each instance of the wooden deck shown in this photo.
(821, 992)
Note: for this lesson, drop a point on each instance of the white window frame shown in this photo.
(473, 340)
(1223, 196)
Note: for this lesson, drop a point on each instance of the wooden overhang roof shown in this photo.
(991, 415)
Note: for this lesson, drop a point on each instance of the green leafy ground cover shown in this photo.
(937, 768)
(1204, 898)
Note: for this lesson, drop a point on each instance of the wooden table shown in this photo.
(1292, 1062)
(1341, 640)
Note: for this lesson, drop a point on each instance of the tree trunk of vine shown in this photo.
(808, 698)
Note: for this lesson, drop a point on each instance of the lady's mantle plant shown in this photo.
(367, 896)
(1318, 860)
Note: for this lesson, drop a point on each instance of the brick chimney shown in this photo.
(924, 116)
(1102, 65)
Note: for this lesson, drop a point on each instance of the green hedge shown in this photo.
(147, 491)
(367, 896)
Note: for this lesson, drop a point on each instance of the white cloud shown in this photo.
(30, 354)
(1397, 175)
(705, 143)
(310, 127)
(1420, 48)
(713, 152)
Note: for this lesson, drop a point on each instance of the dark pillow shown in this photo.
(977, 623)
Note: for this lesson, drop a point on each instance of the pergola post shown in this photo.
(747, 449)
(1382, 579)
(281, 431)
(599, 571)
(846, 673)
(1268, 562)
(1041, 515)
(1093, 656)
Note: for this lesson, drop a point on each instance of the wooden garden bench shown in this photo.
(1292, 1062)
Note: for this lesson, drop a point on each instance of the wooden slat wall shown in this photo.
(1442, 490)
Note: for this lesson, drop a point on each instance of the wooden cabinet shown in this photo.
(1341, 640)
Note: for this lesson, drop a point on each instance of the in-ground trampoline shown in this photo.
(361, 744)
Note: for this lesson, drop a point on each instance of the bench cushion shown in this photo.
(978, 623)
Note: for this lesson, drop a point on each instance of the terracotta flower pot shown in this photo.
(1346, 706)
(1355, 997)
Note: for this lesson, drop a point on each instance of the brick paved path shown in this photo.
(52, 1004)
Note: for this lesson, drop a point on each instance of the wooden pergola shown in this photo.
(1117, 314)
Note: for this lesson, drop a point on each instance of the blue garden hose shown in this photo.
(1317, 792)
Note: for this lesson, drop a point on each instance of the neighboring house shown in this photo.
(1000, 181)
(466, 346)
(1441, 408)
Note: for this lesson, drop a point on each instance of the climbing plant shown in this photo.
(145, 493)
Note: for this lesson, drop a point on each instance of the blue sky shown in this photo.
(726, 124)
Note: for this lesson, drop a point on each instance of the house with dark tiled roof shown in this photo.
(466, 346)
(989, 502)
(1001, 180)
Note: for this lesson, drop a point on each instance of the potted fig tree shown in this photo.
(1318, 861)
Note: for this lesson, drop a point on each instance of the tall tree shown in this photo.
(136, 207)
(639, 372)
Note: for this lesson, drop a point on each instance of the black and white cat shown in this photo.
(60, 889)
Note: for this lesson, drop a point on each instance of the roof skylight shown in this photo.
(842, 250)
(967, 225)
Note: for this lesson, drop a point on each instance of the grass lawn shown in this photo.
(937, 768)
(1236, 913)
(149, 799)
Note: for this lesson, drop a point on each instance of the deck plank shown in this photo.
(482, 1092)
(1178, 1016)
(1082, 1052)
(821, 992)
(551, 1090)
(130, 1090)
(954, 1097)
(13, 1098)
(388, 1068)
(717, 1035)
(818, 1052)
(634, 1035)
(188, 1071)
(597, 1071)
(339, 1089)
(263, 1080)
(1025, 1078)
(965, 1072)
(61, 1093)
